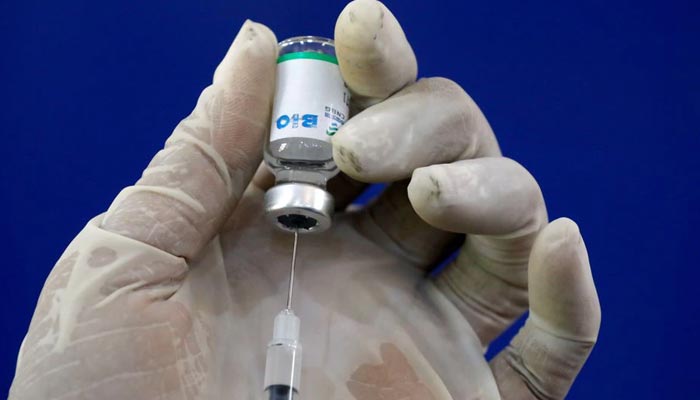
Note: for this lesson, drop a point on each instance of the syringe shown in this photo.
(283, 362)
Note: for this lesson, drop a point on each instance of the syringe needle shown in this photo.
(291, 271)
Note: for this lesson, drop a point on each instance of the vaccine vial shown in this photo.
(311, 103)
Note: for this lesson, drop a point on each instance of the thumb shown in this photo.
(191, 186)
(98, 314)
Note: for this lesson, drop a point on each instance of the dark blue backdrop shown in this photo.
(598, 100)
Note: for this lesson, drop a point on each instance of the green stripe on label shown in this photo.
(309, 55)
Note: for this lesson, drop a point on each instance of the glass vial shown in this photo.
(311, 103)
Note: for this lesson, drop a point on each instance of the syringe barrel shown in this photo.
(283, 362)
(283, 369)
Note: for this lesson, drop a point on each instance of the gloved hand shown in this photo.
(171, 293)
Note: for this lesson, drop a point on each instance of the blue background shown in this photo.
(598, 99)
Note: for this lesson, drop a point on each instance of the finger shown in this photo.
(501, 208)
(485, 196)
(376, 61)
(374, 56)
(546, 355)
(190, 186)
(430, 122)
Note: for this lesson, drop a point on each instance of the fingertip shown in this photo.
(562, 232)
(351, 164)
(426, 192)
(267, 39)
(484, 196)
(359, 23)
(355, 157)
(251, 30)
(374, 55)
(558, 248)
(255, 46)
(257, 36)
(563, 297)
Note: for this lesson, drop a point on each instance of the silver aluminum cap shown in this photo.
(299, 207)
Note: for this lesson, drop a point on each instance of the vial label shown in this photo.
(311, 100)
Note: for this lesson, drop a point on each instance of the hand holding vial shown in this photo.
(172, 292)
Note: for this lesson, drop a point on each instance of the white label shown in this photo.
(311, 100)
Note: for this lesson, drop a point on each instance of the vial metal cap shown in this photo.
(299, 207)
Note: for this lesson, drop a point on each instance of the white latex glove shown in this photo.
(172, 292)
